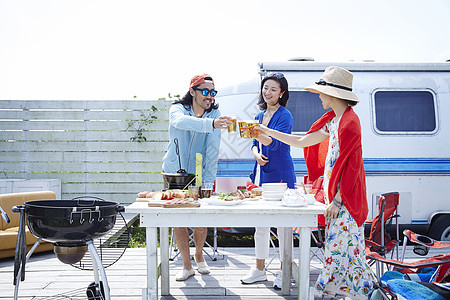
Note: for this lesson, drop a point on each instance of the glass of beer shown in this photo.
(232, 127)
(193, 192)
(246, 129)
(206, 189)
(253, 132)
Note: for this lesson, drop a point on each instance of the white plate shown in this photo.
(272, 194)
(294, 205)
(254, 198)
(278, 198)
(216, 201)
(277, 190)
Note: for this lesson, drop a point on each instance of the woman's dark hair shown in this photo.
(350, 102)
(278, 77)
(187, 99)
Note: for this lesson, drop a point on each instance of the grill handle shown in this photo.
(4, 215)
(87, 199)
(16, 209)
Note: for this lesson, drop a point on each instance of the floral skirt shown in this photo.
(346, 271)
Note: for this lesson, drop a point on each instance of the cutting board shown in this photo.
(162, 203)
(181, 205)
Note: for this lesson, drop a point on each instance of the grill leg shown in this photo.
(16, 288)
(98, 266)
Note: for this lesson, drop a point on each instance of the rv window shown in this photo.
(306, 108)
(404, 111)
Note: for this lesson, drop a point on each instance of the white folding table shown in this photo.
(248, 214)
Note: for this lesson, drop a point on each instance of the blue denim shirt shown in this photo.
(195, 135)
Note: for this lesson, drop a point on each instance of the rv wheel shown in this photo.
(440, 228)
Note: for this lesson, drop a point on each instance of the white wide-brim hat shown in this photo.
(336, 82)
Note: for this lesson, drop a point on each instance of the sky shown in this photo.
(144, 49)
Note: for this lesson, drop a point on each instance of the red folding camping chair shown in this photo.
(388, 290)
(423, 243)
(379, 240)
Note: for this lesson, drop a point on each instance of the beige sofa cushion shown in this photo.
(7, 201)
(8, 237)
(8, 231)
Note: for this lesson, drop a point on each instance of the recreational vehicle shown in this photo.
(405, 119)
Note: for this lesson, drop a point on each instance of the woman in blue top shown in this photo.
(273, 161)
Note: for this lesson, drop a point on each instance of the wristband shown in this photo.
(337, 203)
(213, 124)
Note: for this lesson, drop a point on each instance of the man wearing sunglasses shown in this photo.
(196, 122)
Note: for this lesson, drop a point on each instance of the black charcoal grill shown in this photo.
(71, 225)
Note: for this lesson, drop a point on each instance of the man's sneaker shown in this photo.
(277, 281)
(185, 274)
(202, 267)
(254, 275)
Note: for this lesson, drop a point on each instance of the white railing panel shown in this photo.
(120, 197)
(66, 140)
(107, 188)
(91, 146)
(71, 125)
(79, 156)
(81, 114)
(82, 104)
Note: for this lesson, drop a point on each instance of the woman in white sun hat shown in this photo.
(332, 148)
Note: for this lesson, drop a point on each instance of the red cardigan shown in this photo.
(348, 168)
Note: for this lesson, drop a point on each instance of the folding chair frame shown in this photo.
(416, 238)
(277, 252)
(174, 248)
(320, 243)
(401, 265)
(422, 263)
(314, 253)
(381, 248)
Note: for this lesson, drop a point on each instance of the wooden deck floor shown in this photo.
(46, 278)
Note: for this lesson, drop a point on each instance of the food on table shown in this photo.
(235, 195)
(163, 195)
(242, 188)
(256, 192)
(182, 201)
(140, 199)
(142, 194)
(157, 196)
